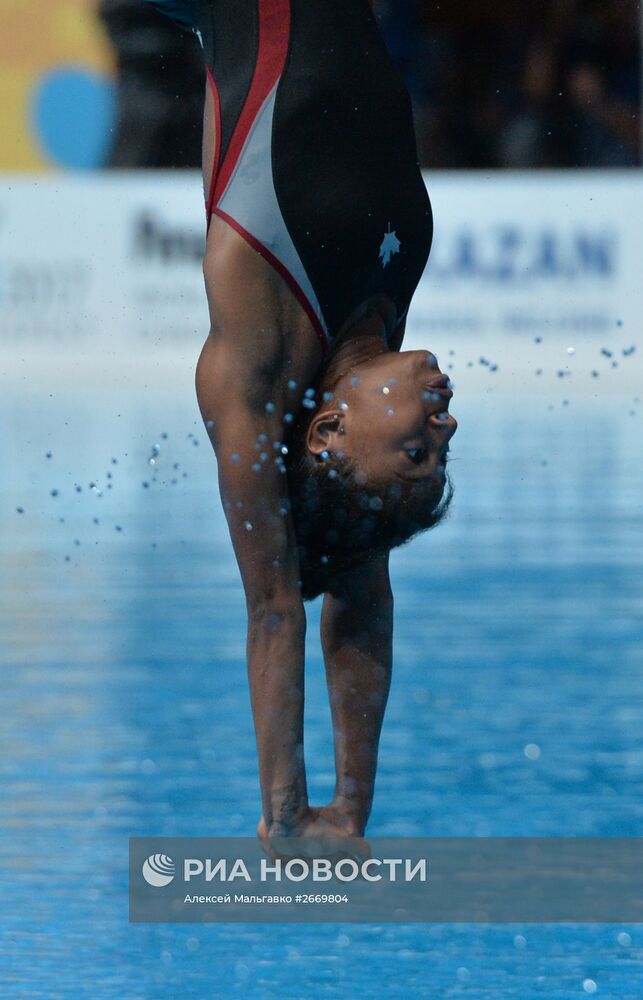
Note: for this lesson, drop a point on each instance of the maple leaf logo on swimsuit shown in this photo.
(390, 245)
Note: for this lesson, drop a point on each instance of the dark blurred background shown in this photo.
(520, 83)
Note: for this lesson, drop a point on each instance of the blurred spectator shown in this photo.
(604, 84)
(521, 83)
(161, 84)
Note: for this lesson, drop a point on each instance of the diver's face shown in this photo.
(396, 423)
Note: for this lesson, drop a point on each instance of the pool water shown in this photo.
(516, 706)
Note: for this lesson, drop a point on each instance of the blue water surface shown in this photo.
(516, 706)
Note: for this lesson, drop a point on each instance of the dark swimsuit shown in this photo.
(315, 163)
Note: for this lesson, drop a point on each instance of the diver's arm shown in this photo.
(357, 640)
(255, 504)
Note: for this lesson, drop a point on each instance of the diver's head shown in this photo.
(367, 469)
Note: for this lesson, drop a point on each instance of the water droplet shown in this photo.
(324, 454)
(49, 454)
(247, 525)
(270, 407)
(119, 527)
(209, 424)
(354, 381)
(309, 404)
(343, 406)
(54, 493)
(310, 392)
(532, 751)
(571, 350)
(235, 458)
(292, 384)
(20, 510)
(256, 467)
(390, 411)
(589, 986)
(284, 449)
(288, 418)
(328, 396)
(145, 484)
(520, 942)
(385, 390)
(624, 939)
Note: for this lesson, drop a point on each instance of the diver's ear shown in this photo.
(323, 431)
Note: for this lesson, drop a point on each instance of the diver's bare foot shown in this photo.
(321, 834)
(345, 816)
(262, 834)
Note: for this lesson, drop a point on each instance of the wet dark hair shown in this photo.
(341, 519)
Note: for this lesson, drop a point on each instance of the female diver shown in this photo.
(330, 442)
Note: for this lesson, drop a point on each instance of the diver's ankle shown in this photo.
(351, 814)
